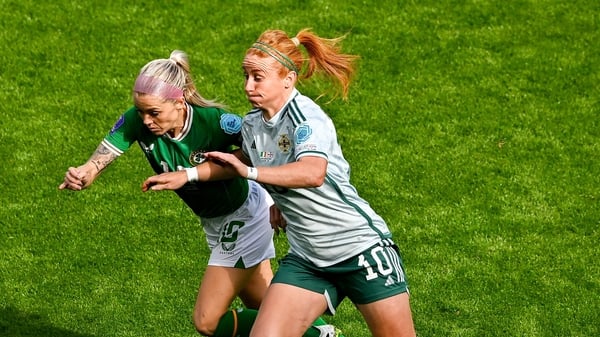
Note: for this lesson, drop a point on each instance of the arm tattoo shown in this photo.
(102, 157)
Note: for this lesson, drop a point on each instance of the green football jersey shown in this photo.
(205, 129)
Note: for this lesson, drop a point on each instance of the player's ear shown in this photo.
(180, 103)
(290, 79)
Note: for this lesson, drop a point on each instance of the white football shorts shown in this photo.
(243, 238)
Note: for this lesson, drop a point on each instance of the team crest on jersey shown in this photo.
(231, 124)
(197, 157)
(303, 132)
(118, 124)
(284, 143)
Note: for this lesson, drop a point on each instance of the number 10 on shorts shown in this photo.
(385, 259)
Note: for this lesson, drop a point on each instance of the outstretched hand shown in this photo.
(165, 181)
(75, 179)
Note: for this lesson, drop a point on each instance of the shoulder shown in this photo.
(302, 109)
(254, 113)
(207, 111)
(213, 112)
(131, 113)
(128, 119)
(253, 116)
(229, 122)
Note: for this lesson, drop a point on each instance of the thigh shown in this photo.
(287, 311)
(218, 289)
(256, 286)
(389, 317)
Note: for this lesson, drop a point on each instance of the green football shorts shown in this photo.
(372, 275)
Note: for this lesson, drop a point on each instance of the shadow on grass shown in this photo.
(14, 323)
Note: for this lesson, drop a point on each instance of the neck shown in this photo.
(269, 112)
(179, 123)
(174, 132)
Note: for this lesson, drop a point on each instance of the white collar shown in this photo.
(271, 122)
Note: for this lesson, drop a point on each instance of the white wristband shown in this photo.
(252, 173)
(192, 174)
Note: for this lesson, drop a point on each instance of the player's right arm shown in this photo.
(78, 178)
(207, 171)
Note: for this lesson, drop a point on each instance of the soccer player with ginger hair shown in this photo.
(339, 246)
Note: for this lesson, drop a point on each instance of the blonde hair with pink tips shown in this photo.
(163, 77)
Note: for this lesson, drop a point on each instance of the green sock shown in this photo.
(312, 331)
(240, 320)
(319, 321)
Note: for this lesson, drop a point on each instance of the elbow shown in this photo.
(314, 171)
(315, 180)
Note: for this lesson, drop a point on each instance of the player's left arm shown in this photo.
(78, 178)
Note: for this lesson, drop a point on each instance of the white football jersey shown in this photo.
(327, 224)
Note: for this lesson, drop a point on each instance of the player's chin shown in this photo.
(157, 131)
(254, 103)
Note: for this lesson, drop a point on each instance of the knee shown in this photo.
(204, 325)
